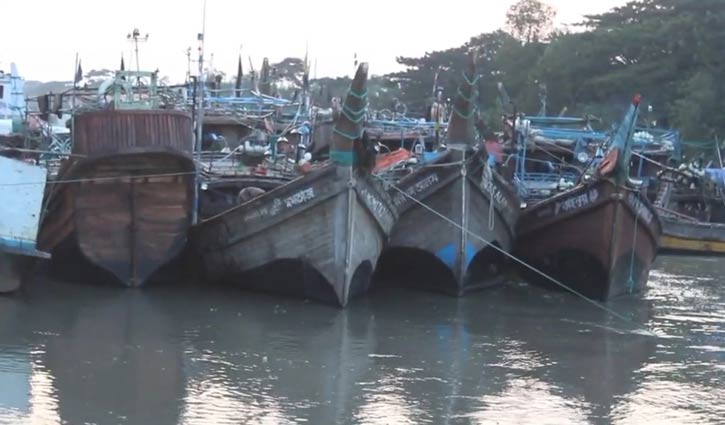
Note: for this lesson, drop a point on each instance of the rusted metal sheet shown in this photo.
(109, 131)
(127, 205)
(129, 226)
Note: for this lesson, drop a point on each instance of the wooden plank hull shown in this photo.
(599, 239)
(127, 226)
(479, 203)
(695, 238)
(316, 237)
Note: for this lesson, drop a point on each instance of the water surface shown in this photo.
(76, 354)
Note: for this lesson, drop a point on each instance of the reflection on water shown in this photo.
(79, 354)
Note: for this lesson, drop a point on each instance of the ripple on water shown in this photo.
(514, 355)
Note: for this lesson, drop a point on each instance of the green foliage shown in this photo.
(670, 51)
(530, 20)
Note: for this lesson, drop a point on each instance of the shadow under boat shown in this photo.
(446, 207)
(122, 204)
(318, 236)
(599, 238)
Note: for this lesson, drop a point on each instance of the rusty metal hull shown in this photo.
(117, 131)
(599, 239)
(483, 208)
(126, 225)
(317, 237)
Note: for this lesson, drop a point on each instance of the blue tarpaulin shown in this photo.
(716, 174)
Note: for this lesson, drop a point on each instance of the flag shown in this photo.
(79, 73)
(240, 73)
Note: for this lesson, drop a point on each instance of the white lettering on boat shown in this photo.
(640, 208)
(300, 198)
(278, 205)
(256, 214)
(576, 202)
(416, 189)
(375, 205)
(489, 185)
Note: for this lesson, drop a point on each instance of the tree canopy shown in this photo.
(530, 20)
(670, 51)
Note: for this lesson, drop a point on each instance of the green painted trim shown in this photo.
(342, 157)
(347, 135)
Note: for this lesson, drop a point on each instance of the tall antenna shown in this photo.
(188, 64)
(135, 38)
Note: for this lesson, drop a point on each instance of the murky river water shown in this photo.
(80, 354)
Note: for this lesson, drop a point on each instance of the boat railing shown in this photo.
(406, 126)
(538, 185)
(668, 213)
(214, 164)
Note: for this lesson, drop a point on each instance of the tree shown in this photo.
(530, 21)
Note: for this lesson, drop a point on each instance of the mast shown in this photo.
(620, 151)
(461, 133)
(135, 37)
(199, 117)
(542, 99)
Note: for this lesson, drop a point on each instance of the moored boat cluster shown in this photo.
(311, 201)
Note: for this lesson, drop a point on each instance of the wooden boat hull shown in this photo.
(328, 231)
(695, 238)
(480, 204)
(127, 226)
(599, 239)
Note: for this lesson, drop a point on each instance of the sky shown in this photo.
(47, 34)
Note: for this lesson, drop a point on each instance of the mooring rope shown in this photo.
(525, 264)
(94, 179)
(630, 283)
(491, 203)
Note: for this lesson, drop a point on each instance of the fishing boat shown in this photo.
(318, 236)
(686, 236)
(123, 201)
(12, 103)
(691, 204)
(654, 151)
(21, 199)
(454, 209)
(600, 237)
